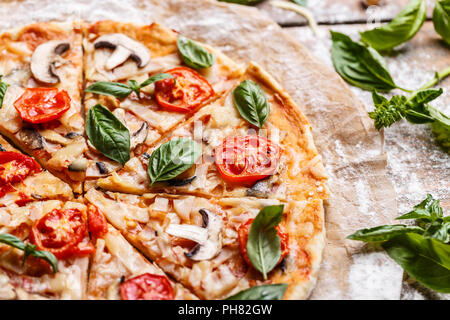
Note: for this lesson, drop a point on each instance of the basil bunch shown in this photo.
(29, 250)
(172, 158)
(441, 19)
(402, 28)
(121, 90)
(3, 87)
(263, 292)
(422, 250)
(193, 54)
(264, 244)
(107, 134)
(251, 101)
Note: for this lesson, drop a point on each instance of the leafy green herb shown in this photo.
(426, 260)
(360, 65)
(402, 28)
(252, 103)
(121, 90)
(302, 3)
(3, 87)
(29, 250)
(441, 19)
(172, 158)
(107, 134)
(264, 244)
(244, 2)
(263, 292)
(193, 54)
(422, 250)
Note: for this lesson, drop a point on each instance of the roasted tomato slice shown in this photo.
(147, 286)
(39, 105)
(183, 93)
(243, 231)
(246, 159)
(96, 222)
(15, 167)
(61, 232)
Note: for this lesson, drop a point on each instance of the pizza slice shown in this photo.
(203, 243)
(44, 240)
(142, 81)
(254, 142)
(118, 271)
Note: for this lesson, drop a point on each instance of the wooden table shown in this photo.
(416, 165)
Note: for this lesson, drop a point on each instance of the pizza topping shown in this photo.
(138, 137)
(97, 222)
(78, 165)
(61, 232)
(263, 243)
(31, 138)
(246, 159)
(251, 102)
(147, 287)
(124, 47)
(193, 54)
(15, 167)
(39, 105)
(3, 87)
(44, 60)
(183, 93)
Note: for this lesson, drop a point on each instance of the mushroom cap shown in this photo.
(44, 58)
(124, 47)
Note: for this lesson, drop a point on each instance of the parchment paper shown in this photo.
(352, 150)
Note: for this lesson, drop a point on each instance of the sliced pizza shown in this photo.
(41, 111)
(141, 82)
(203, 243)
(119, 272)
(254, 142)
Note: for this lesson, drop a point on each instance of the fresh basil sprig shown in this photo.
(172, 158)
(107, 134)
(359, 64)
(422, 250)
(441, 19)
(264, 244)
(251, 101)
(402, 28)
(193, 54)
(29, 250)
(263, 292)
(3, 87)
(121, 90)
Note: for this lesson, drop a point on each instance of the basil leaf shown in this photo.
(440, 128)
(264, 244)
(172, 158)
(427, 211)
(107, 134)
(118, 90)
(417, 110)
(251, 101)
(387, 112)
(29, 249)
(383, 233)
(193, 54)
(155, 78)
(438, 230)
(263, 292)
(360, 65)
(302, 3)
(243, 2)
(3, 87)
(441, 19)
(402, 28)
(426, 260)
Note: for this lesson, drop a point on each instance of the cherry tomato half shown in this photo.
(246, 159)
(61, 233)
(147, 286)
(97, 222)
(183, 93)
(15, 167)
(39, 105)
(243, 231)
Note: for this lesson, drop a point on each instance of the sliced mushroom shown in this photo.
(139, 136)
(44, 59)
(78, 165)
(31, 138)
(124, 47)
(205, 249)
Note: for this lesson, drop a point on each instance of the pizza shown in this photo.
(150, 166)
